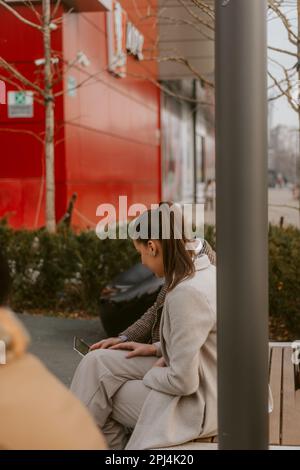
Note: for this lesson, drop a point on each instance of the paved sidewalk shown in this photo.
(52, 341)
(281, 204)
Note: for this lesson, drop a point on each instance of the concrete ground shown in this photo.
(52, 341)
(281, 203)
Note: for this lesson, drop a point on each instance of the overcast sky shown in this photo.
(281, 113)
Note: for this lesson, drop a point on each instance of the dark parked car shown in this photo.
(127, 298)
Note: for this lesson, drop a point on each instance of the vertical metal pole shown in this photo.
(298, 67)
(242, 223)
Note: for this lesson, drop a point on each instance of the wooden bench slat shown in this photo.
(275, 384)
(290, 403)
(202, 439)
(285, 417)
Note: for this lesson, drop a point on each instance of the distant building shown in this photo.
(187, 119)
(284, 151)
(188, 141)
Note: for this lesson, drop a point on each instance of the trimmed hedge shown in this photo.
(284, 277)
(65, 272)
(284, 280)
(62, 272)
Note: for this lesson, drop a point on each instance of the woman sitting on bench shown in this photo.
(138, 400)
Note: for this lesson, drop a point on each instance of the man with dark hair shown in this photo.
(37, 411)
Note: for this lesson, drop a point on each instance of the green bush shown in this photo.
(210, 235)
(284, 280)
(62, 272)
(284, 277)
(65, 272)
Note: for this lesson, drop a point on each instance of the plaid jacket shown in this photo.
(146, 329)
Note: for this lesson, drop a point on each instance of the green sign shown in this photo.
(20, 97)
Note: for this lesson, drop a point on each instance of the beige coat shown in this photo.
(37, 412)
(182, 404)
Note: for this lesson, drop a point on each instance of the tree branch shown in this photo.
(18, 87)
(293, 38)
(197, 17)
(283, 51)
(83, 82)
(284, 92)
(184, 61)
(209, 11)
(20, 17)
(10, 68)
(34, 10)
(55, 10)
(22, 131)
(168, 91)
(182, 21)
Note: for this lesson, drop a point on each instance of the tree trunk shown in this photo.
(49, 121)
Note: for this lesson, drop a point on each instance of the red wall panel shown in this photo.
(22, 201)
(107, 135)
(112, 125)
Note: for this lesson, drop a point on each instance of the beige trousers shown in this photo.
(111, 387)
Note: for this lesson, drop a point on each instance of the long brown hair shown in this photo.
(177, 259)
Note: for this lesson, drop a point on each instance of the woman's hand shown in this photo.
(105, 343)
(137, 349)
(160, 363)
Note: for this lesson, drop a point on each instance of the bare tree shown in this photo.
(288, 13)
(202, 19)
(43, 94)
(49, 124)
(285, 82)
(43, 88)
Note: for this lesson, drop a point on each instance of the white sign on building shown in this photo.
(116, 31)
(123, 38)
(134, 41)
(20, 104)
(72, 86)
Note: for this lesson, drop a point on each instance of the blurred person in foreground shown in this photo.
(37, 412)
